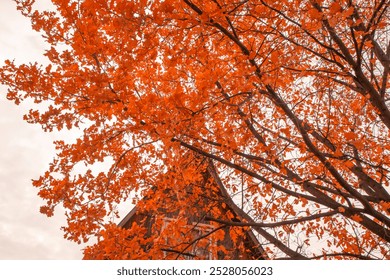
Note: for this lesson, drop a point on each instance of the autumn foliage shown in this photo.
(287, 101)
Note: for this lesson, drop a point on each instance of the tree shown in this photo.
(285, 102)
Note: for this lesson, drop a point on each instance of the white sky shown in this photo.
(25, 152)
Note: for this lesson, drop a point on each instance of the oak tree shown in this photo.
(285, 104)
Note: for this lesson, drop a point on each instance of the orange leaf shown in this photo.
(356, 218)
(341, 209)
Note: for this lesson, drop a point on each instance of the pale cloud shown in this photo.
(25, 152)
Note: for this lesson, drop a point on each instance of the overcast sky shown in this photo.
(25, 152)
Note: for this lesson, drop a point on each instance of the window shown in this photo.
(199, 249)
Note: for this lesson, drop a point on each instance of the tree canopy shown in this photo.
(285, 101)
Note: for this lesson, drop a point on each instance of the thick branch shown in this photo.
(272, 225)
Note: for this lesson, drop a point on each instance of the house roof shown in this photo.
(128, 216)
(250, 238)
(210, 173)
